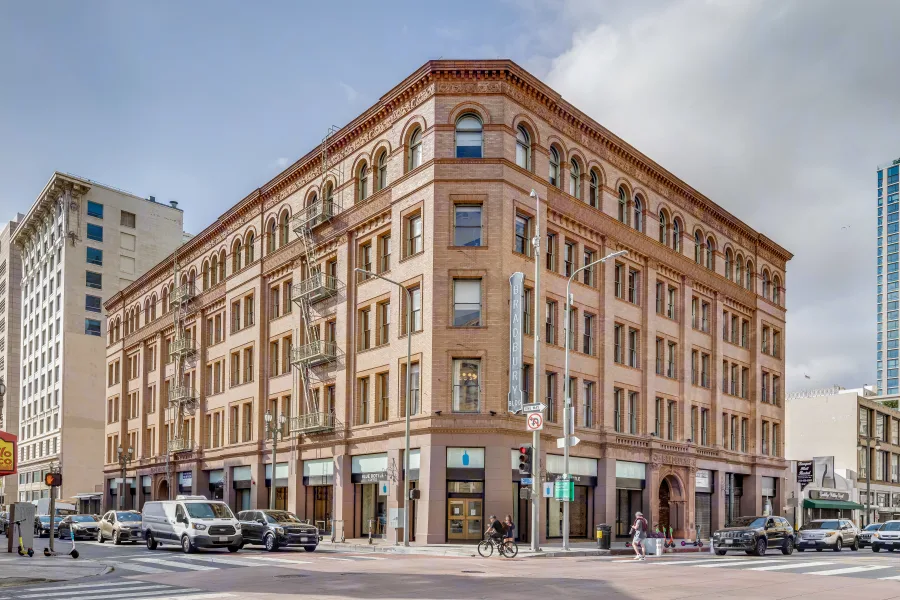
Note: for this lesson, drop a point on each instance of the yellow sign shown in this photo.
(8, 456)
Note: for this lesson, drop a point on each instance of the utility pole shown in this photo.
(536, 435)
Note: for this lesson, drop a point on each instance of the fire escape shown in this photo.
(182, 400)
(311, 291)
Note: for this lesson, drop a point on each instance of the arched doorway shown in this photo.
(163, 490)
(665, 495)
(672, 505)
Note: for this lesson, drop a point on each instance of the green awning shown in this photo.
(835, 504)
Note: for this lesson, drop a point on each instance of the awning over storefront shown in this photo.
(834, 504)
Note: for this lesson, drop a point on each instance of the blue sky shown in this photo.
(778, 110)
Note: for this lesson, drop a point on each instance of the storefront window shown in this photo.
(466, 385)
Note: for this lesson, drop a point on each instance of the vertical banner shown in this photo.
(516, 316)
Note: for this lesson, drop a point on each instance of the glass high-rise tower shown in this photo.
(888, 264)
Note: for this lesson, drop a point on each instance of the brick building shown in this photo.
(677, 353)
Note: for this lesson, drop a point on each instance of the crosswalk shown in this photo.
(121, 589)
(174, 562)
(860, 567)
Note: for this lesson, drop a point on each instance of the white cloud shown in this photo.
(779, 111)
(280, 163)
(351, 93)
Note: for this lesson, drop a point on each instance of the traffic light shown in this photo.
(525, 460)
(53, 479)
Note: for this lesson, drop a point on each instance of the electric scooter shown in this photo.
(697, 541)
(73, 552)
(22, 551)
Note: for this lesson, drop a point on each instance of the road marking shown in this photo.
(139, 568)
(368, 558)
(195, 596)
(333, 558)
(132, 592)
(792, 566)
(81, 586)
(247, 561)
(172, 563)
(276, 560)
(718, 564)
(691, 562)
(849, 570)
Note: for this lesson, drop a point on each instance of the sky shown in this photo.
(777, 110)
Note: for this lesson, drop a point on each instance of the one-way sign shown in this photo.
(534, 407)
(573, 441)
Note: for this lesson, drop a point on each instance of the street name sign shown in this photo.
(573, 441)
(534, 407)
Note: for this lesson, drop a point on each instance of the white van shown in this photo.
(191, 522)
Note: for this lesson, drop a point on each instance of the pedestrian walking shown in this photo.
(639, 530)
(510, 535)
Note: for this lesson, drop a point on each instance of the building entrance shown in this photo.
(465, 519)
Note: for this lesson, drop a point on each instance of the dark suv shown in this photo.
(755, 535)
(276, 528)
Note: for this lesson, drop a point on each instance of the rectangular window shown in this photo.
(568, 259)
(365, 330)
(94, 256)
(660, 297)
(704, 427)
(95, 232)
(776, 343)
(466, 302)
(618, 410)
(550, 323)
(588, 404)
(127, 219)
(383, 317)
(695, 316)
(364, 262)
(765, 340)
(382, 389)
(744, 425)
(671, 419)
(671, 301)
(416, 309)
(660, 355)
(92, 303)
(92, 327)
(95, 209)
(694, 415)
(414, 235)
(619, 276)
(633, 400)
(589, 257)
(704, 373)
(466, 385)
(467, 225)
(527, 312)
(658, 418)
(364, 401)
(384, 253)
(634, 286)
(551, 252)
(633, 348)
(704, 320)
(745, 334)
(670, 362)
(551, 397)
(735, 329)
(618, 347)
(588, 335)
(94, 280)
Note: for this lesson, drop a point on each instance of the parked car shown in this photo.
(755, 535)
(42, 525)
(276, 528)
(834, 534)
(888, 537)
(120, 526)
(84, 526)
(865, 536)
(191, 522)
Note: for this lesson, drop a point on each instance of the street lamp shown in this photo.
(868, 447)
(273, 428)
(124, 456)
(409, 309)
(568, 420)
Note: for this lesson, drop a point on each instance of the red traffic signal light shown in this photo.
(525, 460)
(53, 479)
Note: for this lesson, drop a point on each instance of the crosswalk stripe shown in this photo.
(368, 557)
(139, 568)
(690, 562)
(77, 586)
(171, 563)
(894, 578)
(195, 596)
(272, 559)
(718, 564)
(333, 558)
(135, 592)
(847, 570)
(792, 566)
(239, 562)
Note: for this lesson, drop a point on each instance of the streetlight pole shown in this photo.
(568, 419)
(868, 448)
(409, 309)
(124, 458)
(536, 435)
(272, 427)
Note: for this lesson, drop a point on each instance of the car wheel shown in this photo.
(761, 547)
(800, 549)
(117, 538)
(151, 543)
(234, 549)
(309, 548)
(270, 543)
(855, 545)
(818, 549)
(100, 536)
(186, 546)
(891, 549)
(787, 548)
(876, 548)
(838, 545)
(718, 552)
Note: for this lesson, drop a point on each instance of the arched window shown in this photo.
(329, 195)
(766, 291)
(381, 179)
(165, 300)
(214, 270)
(415, 149)
(739, 270)
(594, 196)
(663, 228)
(676, 235)
(554, 167)
(153, 307)
(698, 248)
(523, 148)
(192, 278)
(623, 205)
(146, 311)
(575, 179)
(271, 237)
(710, 254)
(284, 228)
(749, 275)
(236, 255)
(205, 274)
(250, 248)
(638, 214)
(468, 137)
(776, 290)
(363, 182)
(729, 263)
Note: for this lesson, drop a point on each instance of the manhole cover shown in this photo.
(482, 572)
(297, 576)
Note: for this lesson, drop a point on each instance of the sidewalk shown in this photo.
(549, 550)
(22, 570)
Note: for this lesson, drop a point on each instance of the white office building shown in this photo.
(10, 277)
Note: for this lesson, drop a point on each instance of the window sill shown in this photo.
(465, 327)
(234, 386)
(412, 256)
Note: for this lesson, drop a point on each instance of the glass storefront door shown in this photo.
(465, 519)
(373, 514)
(578, 515)
(321, 509)
(628, 502)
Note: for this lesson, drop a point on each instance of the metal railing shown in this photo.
(315, 214)
(314, 353)
(181, 445)
(183, 347)
(315, 288)
(319, 422)
(179, 393)
(182, 293)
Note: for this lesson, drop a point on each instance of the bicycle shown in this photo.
(507, 549)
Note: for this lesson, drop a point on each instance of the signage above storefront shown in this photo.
(8, 454)
(829, 495)
(703, 480)
(804, 473)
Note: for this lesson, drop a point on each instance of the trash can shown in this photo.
(604, 536)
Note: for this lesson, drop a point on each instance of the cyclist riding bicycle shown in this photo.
(495, 529)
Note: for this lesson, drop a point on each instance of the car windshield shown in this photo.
(821, 525)
(83, 519)
(46, 519)
(748, 522)
(282, 516)
(208, 510)
(128, 516)
(873, 527)
(891, 526)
